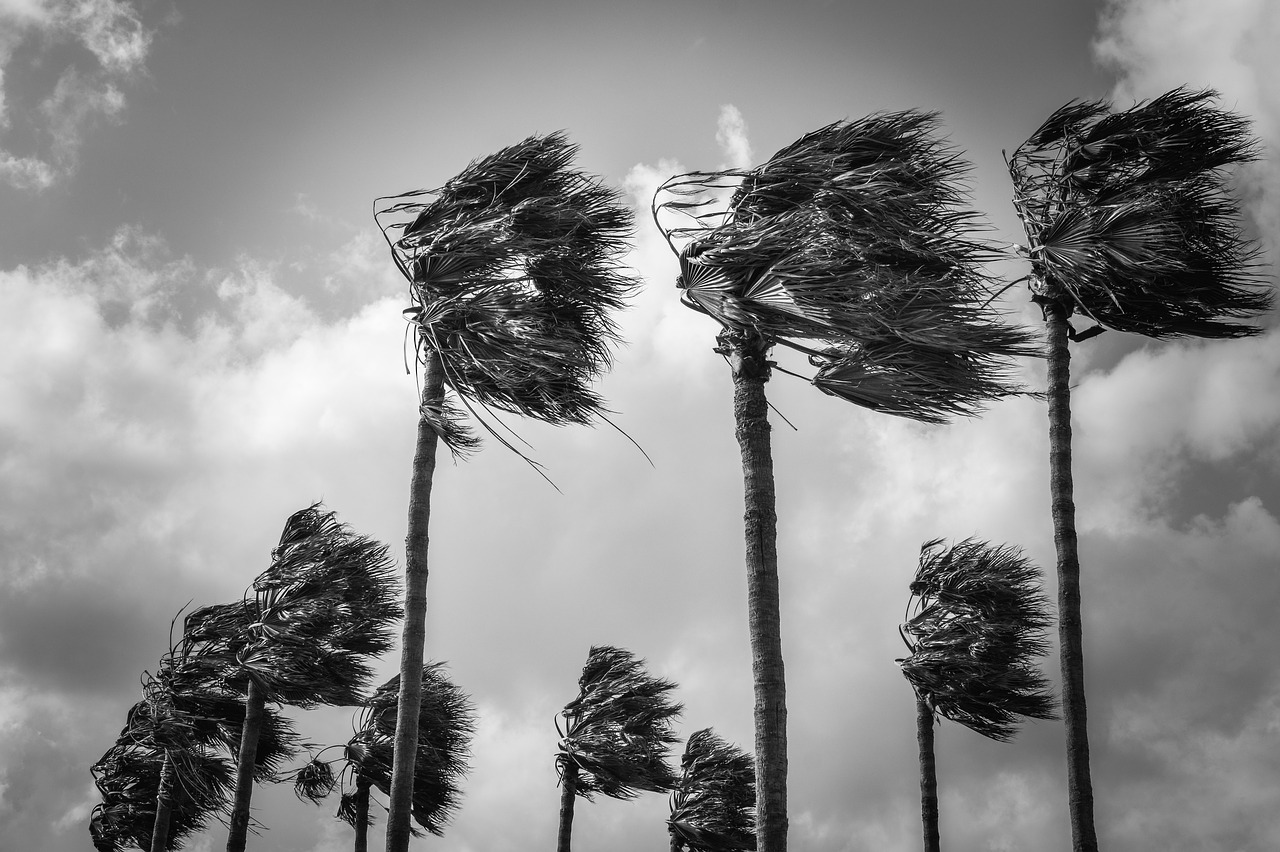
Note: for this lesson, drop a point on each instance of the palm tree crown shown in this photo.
(1129, 221)
(513, 273)
(979, 623)
(713, 806)
(851, 245)
(618, 731)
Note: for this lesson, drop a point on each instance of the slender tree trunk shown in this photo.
(568, 792)
(254, 705)
(928, 776)
(362, 814)
(747, 356)
(400, 808)
(1079, 785)
(164, 805)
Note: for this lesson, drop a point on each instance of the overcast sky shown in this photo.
(200, 332)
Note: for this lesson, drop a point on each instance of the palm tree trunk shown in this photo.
(1079, 785)
(568, 792)
(164, 806)
(928, 776)
(362, 814)
(255, 703)
(747, 356)
(400, 808)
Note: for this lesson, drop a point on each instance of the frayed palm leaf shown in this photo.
(979, 623)
(513, 268)
(713, 806)
(618, 731)
(852, 240)
(1130, 222)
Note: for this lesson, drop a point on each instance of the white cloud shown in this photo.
(731, 136)
(110, 30)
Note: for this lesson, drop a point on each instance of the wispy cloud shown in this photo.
(112, 32)
(731, 136)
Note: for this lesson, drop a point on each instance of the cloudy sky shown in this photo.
(200, 332)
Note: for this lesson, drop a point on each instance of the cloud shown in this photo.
(112, 32)
(1156, 45)
(731, 136)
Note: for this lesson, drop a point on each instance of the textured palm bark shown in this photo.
(747, 357)
(400, 808)
(1070, 635)
(255, 703)
(362, 814)
(568, 792)
(928, 776)
(164, 806)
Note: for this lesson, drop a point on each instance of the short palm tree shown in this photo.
(513, 270)
(617, 734)
(851, 246)
(446, 723)
(980, 620)
(714, 804)
(1130, 225)
(320, 612)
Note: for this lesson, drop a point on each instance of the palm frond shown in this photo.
(618, 731)
(713, 806)
(980, 621)
(1130, 222)
(513, 270)
(853, 238)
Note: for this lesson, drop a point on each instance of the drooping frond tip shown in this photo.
(855, 246)
(514, 270)
(980, 620)
(1130, 221)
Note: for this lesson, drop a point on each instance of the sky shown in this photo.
(201, 332)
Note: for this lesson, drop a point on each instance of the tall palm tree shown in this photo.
(513, 273)
(320, 612)
(980, 620)
(446, 723)
(713, 805)
(617, 734)
(851, 246)
(1130, 225)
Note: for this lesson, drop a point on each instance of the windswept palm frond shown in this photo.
(852, 245)
(979, 623)
(618, 731)
(513, 270)
(713, 806)
(1129, 219)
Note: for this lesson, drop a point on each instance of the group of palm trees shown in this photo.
(854, 248)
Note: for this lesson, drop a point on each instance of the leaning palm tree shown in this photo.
(617, 734)
(513, 274)
(1130, 225)
(713, 805)
(850, 246)
(446, 723)
(320, 612)
(980, 620)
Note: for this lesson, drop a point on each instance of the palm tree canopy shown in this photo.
(980, 621)
(618, 731)
(852, 245)
(327, 604)
(713, 805)
(513, 270)
(1129, 220)
(446, 724)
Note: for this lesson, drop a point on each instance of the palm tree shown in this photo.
(320, 612)
(617, 734)
(1129, 224)
(446, 723)
(713, 805)
(979, 622)
(513, 273)
(850, 246)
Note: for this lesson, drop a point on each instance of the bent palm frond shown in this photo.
(713, 806)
